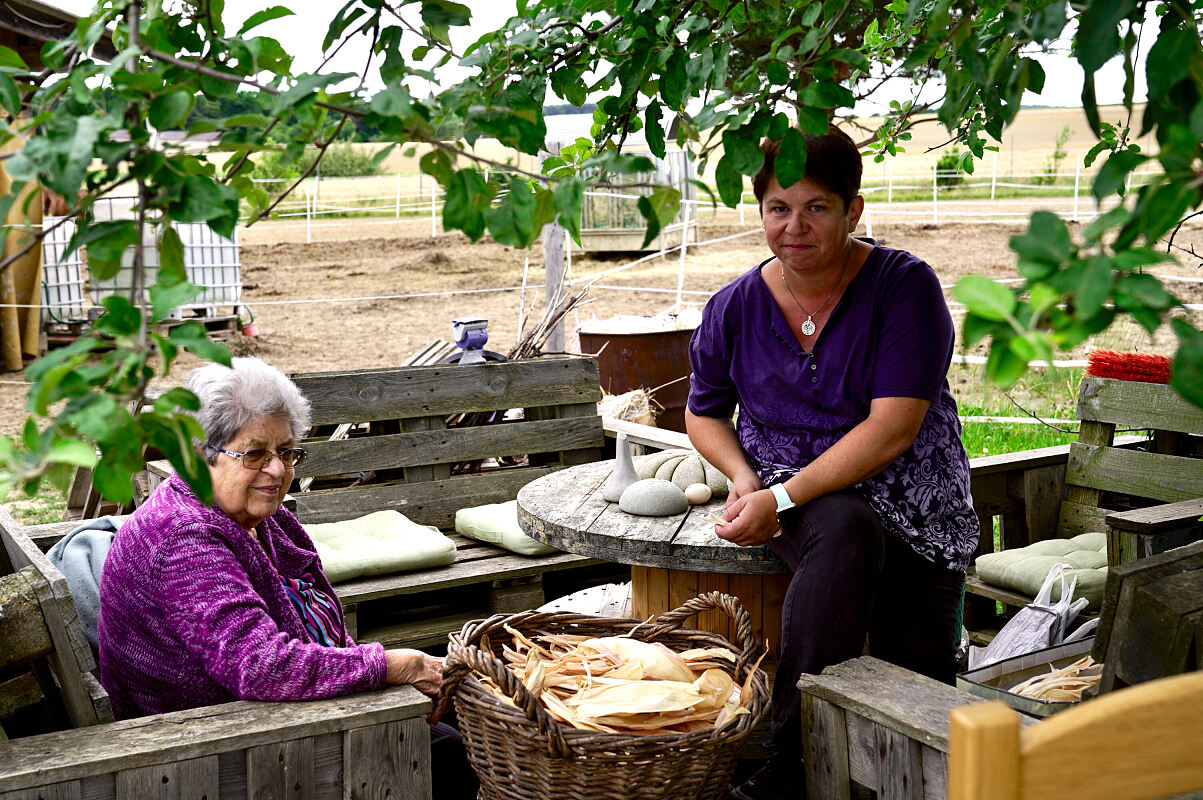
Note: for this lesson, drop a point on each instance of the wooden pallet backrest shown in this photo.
(411, 449)
(1167, 472)
(64, 674)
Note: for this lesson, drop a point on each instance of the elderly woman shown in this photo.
(846, 458)
(204, 604)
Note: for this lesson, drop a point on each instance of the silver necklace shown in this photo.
(808, 325)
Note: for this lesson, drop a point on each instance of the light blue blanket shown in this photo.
(80, 556)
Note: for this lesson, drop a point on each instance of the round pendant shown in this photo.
(808, 327)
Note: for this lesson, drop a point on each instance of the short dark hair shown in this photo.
(832, 161)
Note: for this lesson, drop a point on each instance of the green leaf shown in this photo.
(1113, 174)
(1187, 375)
(659, 208)
(1114, 218)
(1170, 60)
(445, 13)
(729, 181)
(985, 298)
(165, 299)
(171, 258)
(305, 88)
(1004, 366)
(673, 80)
(72, 451)
(177, 398)
(266, 15)
(9, 97)
(1164, 207)
(121, 318)
(114, 480)
(1098, 32)
(1146, 290)
(1046, 240)
(789, 166)
(777, 73)
(813, 121)
(511, 221)
(44, 392)
(652, 130)
(741, 147)
(569, 202)
(171, 109)
(436, 164)
(465, 204)
(193, 337)
(106, 243)
(200, 200)
(10, 58)
(1094, 288)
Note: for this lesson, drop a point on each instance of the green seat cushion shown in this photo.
(1025, 568)
(378, 544)
(497, 523)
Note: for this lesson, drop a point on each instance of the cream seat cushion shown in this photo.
(497, 523)
(380, 543)
(1025, 568)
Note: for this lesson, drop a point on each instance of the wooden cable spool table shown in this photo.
(672, 559)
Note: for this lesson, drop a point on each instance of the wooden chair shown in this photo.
(1140, 742)
(1143, 492)
(374, 744)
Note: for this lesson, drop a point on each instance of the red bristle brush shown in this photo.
(1143, 367)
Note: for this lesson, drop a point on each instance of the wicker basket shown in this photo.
(523, 754)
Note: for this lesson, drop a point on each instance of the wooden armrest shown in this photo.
(181, 736)
(646, 434)
(911, 704)
(1168, 516)
(1038, 457)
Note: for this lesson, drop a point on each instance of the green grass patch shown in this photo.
(992, 438)
(48, 505)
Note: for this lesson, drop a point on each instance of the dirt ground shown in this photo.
(376, 295)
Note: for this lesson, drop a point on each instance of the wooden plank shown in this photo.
(182, 735)
(1169, 479)
(824, 749)
(1135, 404)
(982, 466)
(1125, 579)
(715, 620)
(72, 655)
(426, 470)
(461, 573)
(58, 791)
(647, 435)
(429, 631)
(179, 780)
(1167, 516)
(1077, 518)
(423, 446)
(328, 766)
(1043, 490)
(22, 628)
(580, 418)
(431, 503)
(903, 701)
(900, 776)
(640, 578)
(281, 771)
(1096, 434)
(366, 395)
(682, 587)
(935, 774)
(373, 758)
(863, 759)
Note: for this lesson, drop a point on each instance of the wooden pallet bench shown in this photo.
(402, 427)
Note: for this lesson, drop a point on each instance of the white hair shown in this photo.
(246, 391)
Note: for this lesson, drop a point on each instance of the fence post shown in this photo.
(935, 192)
(308, 218)
(553, 270)
(1077, 183)
(890, 185)
(434, 192)
(681, 262)
(868, 223)
(994, 175)
(398, 195)
(741, 211)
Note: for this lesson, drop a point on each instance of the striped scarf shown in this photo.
(319, 612)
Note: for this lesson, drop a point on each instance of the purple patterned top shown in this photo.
(192, 613)
(890, 335)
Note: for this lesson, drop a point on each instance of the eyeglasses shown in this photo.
(290, 457)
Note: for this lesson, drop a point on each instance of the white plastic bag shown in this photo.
(1038, 625)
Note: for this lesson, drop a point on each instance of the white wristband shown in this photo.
(784, 503)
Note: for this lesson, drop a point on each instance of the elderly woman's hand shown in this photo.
(413, 667)
(750, 520)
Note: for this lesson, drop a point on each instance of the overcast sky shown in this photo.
(302, 36)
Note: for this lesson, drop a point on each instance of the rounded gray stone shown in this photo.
(653, 497)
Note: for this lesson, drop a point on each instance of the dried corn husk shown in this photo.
(622, 685)
(632, 406)
(1063, 685)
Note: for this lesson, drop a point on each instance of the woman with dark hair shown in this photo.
(846, 458)
(202, 604)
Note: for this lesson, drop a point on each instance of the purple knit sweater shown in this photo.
(192, 613)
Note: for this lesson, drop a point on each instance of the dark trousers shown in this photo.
(854, 581)
(452, 775)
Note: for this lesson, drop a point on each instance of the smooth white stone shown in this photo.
(697, 493)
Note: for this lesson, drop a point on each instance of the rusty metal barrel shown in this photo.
(656, 361)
